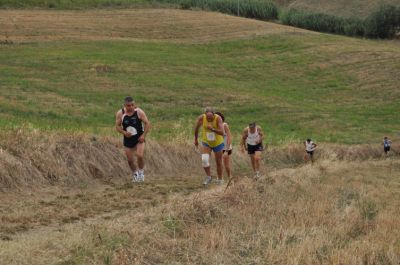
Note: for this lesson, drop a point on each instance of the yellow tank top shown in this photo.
(209, 137)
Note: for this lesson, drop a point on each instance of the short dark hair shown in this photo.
(128, 100)
(221, 115)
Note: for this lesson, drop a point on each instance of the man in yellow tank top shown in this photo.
(212, 140)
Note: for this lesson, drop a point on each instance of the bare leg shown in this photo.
(129, 156)
(206, 150)
(253, 162)
(257, 161)
(218, 161)
(227, 164)
(140, 154)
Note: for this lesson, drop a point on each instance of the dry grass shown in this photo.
(132, 25)
(69, 159)
(341, 210)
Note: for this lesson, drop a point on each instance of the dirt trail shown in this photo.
(22, 212)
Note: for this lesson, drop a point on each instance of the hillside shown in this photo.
(70, 70)
(65, 190)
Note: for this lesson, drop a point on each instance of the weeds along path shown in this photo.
(337, 207)
(134, 25)
(22, 212)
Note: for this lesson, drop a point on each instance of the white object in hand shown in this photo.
(131, 130)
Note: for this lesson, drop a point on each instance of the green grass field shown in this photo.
(332, 88)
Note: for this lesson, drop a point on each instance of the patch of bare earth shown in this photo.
(134, 25)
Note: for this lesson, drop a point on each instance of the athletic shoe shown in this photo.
(220, 182)
(207, 180)
(141, 175)
(256, 175)
(135, 177)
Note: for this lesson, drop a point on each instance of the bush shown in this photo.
(323, 22)
(383, 23)
(257, 9)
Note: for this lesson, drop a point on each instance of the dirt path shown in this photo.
(52, 207)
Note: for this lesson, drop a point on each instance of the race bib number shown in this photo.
(211, 136)
(131, 130)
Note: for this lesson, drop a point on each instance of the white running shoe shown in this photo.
(220, 182)
(135, 177)
(257, 175)
(207, 180)
(141, 175)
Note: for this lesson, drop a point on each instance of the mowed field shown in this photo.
(70, 70)
(65, 191)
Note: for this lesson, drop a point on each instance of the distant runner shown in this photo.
(310, 148)
(252, 138)
(227, 152)
(129, 122)
(386, 145)
(212, 131)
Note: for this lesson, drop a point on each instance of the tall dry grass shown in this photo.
(334, 212)
(33, 158)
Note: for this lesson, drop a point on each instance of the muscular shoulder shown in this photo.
(119, 113)
(140, 112)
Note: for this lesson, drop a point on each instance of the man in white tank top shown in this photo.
(310, 147)
(252, 142)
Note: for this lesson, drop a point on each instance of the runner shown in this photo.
(227, 152)
(252, 142)
(211, 140)
(129, 122)
(310, 148)
(386, 145)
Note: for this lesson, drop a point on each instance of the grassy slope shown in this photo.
(295, 85)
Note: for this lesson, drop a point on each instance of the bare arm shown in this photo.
(220, 125)
(118, 123)
(228, 135)
(196, 129)
(243, 140)
(147, 125)
(261, 133)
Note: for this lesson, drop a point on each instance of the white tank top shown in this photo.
(253, 138)
(309, 146)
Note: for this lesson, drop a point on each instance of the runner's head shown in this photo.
(385, 138)
(129, 104)
(221, 115)
(209, 113)
(308, 140)
(252, 127)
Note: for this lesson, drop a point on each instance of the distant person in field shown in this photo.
(310, 148)
(386, 145)
(252, 139)
(212, 140)
(227, 151)
(133, 124)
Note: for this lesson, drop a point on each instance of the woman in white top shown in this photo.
(252, 141)
(227, 146)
